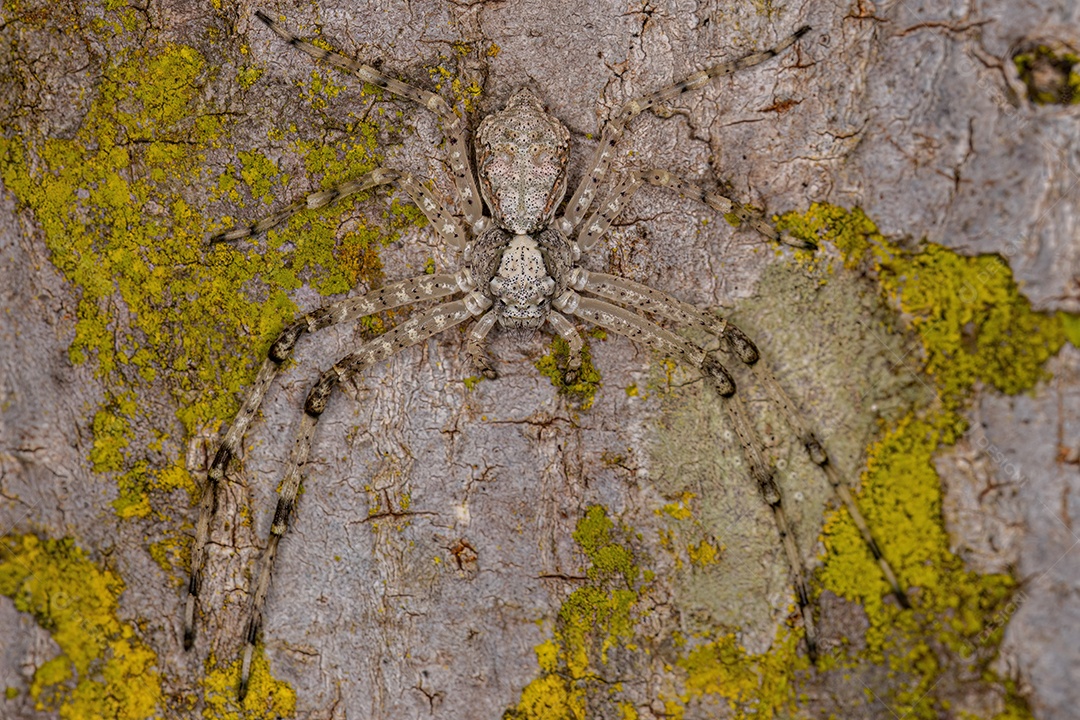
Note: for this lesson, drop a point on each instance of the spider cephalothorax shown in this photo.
(521, 156)
(520, 272)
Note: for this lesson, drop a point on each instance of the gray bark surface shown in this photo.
(907, 110)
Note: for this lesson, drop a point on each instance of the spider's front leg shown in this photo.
(453, 126)
(583, 196)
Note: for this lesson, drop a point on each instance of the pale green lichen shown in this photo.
(104, 669)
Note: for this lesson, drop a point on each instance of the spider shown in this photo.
(520, 271)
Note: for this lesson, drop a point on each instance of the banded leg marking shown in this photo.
(602, 218)
(763, 474)
(614, 129)
(639, 329)
(424, 287)
(453, 126)
(312, 201)
(440, 218)
(622, 321)
(413, 331)
(600, 221)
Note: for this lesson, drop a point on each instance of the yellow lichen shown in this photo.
(159, 311)
(1050, 74)
(266, 698)
(680, 510)
(582, 390)
(974, 327)
(969, 326)
(722, 668)
(104, 669)
(592, 620)
(704, 553)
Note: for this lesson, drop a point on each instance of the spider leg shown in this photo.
(600, 221)
(440, 218)
(723, 205)
(453, 126)
(818, 455)
(614, 129)
(475, 345)
(640, 329)
(412, 332)
(735, 342)
(569, 333)
(424, 287)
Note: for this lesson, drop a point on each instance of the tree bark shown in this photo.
(438, 541)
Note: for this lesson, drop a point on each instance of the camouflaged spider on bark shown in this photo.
(520, 270)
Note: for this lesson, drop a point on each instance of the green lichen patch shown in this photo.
(103, 669)
(103, 199)
(973, 328)
(889, 346)
(752, 686)
(972, 321)
(266, 699)
(594, 620)
(1070, 325)
(582, 390)
(849, 231)
(465, 93)
(1050, 74)
(828, 337)
(159, 312)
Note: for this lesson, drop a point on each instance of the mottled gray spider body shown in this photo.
(521, 272)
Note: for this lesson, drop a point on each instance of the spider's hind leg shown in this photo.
(406, 292)
(764, 475)
(412, 332)
(737, 343)
(640, 329)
